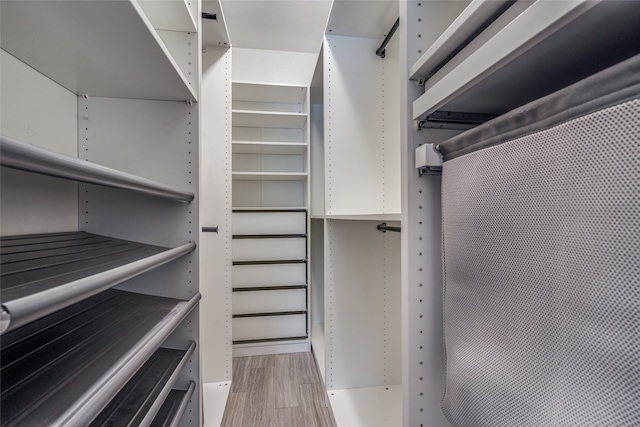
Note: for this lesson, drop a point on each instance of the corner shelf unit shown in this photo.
(100, 194)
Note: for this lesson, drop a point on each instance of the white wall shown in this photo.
(271, 66)
(36, 110)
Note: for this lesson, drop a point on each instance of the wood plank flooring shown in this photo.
(280, 390)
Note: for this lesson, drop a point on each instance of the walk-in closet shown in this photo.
(326, 213)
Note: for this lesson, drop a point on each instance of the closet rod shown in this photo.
(381, 49)
(384, 228)
(31, 158)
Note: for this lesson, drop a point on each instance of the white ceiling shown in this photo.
(287, 25)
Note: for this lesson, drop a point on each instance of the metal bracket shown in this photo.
(453, 120)
(428, 160)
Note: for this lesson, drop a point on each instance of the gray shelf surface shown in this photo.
(65, 368)
(173, 408)
(44, 273)
(137, 400)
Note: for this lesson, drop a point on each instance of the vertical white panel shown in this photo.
(317, 160)
(362, 324)
(37, 110)
(317, 271)
(422, 340)
(215, 248)
(361, 127)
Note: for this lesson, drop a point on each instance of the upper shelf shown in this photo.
(530, 51)
(44, 273)
(99, 48)
(269, 93)
(260, 147)
(463, 29)
(214, 31)
(268, 119)
(31, 158)
(80, 357)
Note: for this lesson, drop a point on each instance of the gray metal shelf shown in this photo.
(64, 369)
(44, 273)
(139, 401)
(31, 158)
(173, 408)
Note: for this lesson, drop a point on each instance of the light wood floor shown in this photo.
(281, 390)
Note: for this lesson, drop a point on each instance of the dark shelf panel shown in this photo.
(269, 236)
(269, 288)
(173, 408)
(44, 273)
(285, 261)
(139, 401)
(65, 368)
(265, 340)
(267, 210)
(279, 313)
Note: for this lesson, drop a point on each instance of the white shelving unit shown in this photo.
(355, 269)
(117, 155)
(270, 220)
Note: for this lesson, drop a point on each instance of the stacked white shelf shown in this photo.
(106, 264)
(270, 221)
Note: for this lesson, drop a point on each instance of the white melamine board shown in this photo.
(269, 223)
(271, 301)
(526, 30)
(248, 147)
(215, 210)
(214, 32)
(248, 276)
(251, 328)
(214, 401)
(107, 48)
(283, 193)
(475, 16)
(318, 347)
(37, 110)
(362, 315)
(151, 139)
(267, 119)
(361, 127)
(421, 263)
(373, 217)
(173, 15)
(183, 48)
(269, 249)
(278, 163)
(273, 67)
(368, 407)
(270, 176)
(317, 271)
(316, 154)
(269, 135)
(270, 107)
(367, 19)
(244, 350)
(269, 93)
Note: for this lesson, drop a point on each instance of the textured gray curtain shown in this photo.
(541, 237)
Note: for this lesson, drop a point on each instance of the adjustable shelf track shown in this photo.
(140, 400)
(47, 272)
(80, 357)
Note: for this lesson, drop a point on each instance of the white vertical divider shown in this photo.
(215, 210)
(423, 349)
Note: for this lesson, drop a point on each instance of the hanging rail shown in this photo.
(381, 49)
(384, 228)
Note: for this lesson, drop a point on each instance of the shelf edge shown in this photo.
(28, 157)
(24, 310)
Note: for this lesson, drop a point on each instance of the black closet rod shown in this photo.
(381, 49)
(384, 228)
